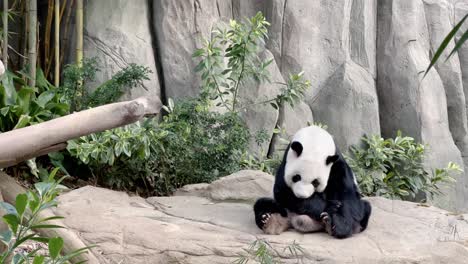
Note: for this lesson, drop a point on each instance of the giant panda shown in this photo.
(314, 190)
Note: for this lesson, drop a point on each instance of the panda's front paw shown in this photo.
(327, 221)
(274, 224)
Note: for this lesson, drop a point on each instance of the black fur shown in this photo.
(348, 212)
(297, 147)
(341, 201)
(284, 198)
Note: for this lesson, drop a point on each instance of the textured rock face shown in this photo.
(119, 36)
(364, 58)
(180, 27)
(417, 107)
(193, 229)
(353, 109)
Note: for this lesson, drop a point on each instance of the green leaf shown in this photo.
(55, 246)
(9, 89)
(21, 203)
(4, 111)
(52, 174)
(38, 260)
(12, 221)
(46, 226)
(458, 44)
(6, 236)
(23, 121)
(10, 209)
(444, 44)
(44, 98)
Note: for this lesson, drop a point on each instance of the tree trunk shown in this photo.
(32, 54)
(79, 32)
(52, 135)
(5, 34)
(57, 44)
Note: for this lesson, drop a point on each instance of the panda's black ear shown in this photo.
(332, 159)
(297, 147)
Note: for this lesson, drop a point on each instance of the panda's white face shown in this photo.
(309, 161)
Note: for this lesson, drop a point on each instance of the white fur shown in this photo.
(317, 145)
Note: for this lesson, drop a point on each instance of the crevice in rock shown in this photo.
(157, 52)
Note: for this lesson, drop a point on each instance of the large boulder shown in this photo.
(119, 36)
(334, 44)
(180, 28)
(416, 106)
(439, 20)
(348, 105)
(193, 229)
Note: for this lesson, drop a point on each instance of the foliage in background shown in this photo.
(260, 251)
(24, 219)
(22, 105)
(77, 93)
(240, 45)
(394, 168)
(190, 145)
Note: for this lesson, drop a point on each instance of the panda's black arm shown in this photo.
(313, 206)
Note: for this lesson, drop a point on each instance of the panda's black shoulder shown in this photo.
(341, 179)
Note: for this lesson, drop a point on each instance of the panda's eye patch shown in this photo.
(296, 178)
(315, 183)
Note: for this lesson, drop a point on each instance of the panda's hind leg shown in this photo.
(337, 225)
(305, 224)
(270, 216)
(367, 212)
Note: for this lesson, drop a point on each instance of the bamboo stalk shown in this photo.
(24, 37)
(48, 29)
(32, 45)
(57, 44)
(65, 32)
(79, 32)
(5, 34)
(62, 9)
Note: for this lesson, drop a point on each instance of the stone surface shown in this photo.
(180, 27)
(245, 185)
(438, 17)
(191, 229)
(416, 106)
(352, 111)
(119, 36)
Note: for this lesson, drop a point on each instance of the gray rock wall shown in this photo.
(364, 58)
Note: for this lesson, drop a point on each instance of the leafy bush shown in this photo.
(77, 93)
(240, 45)
(24, 219)
(394, 168)
(190, 145)
(28, 105)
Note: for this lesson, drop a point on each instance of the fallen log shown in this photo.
(36, 140)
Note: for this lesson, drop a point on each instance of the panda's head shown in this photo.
(311, 154)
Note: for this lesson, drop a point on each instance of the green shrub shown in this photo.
(394, 168)
(24, 219)
(190, 145)
(77, 93)
(28, 105)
